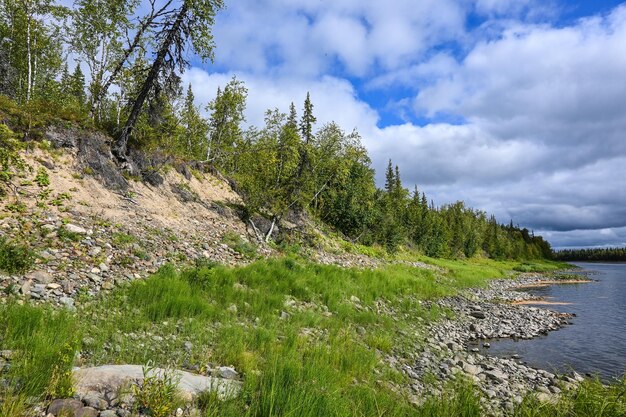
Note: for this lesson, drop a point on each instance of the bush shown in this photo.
(14, 258)
(157, 395)
(10, 161)
(238, 244)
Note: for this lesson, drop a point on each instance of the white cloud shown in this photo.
(544, 140)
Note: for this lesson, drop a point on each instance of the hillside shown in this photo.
(155, 286)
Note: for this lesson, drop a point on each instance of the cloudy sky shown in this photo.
(517, 107)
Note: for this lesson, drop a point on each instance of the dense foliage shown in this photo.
(133, 63)
(592, 254)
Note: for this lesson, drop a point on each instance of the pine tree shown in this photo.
(292, 121)
(77, 86)
(307, 121)
(390, 180)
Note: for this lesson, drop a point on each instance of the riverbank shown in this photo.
(293, 337)
(482, 314)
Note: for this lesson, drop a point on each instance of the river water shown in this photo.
(595, 343)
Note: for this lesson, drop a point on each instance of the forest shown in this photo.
(615, 254)
(116, 66)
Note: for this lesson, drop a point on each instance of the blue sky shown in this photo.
(515, 106)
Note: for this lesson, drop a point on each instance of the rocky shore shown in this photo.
(479, 316)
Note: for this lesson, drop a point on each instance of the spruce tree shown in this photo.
(307, 121)
(390, 180)
(77, 86)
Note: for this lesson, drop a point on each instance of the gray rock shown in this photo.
(478, 314)
(67, 405)
(75, 229)
(471, 369)
(41, 277)
(108, 413)
(110, 378)
(94, 400)
(25, 288)
(497, 375)
(227, 372)
(86, 412)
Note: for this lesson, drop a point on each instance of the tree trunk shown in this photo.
(121, 144)
(269, 232)
(29, 56)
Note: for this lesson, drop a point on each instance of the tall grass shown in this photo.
(43, 343)
(290, 326)
(591, 398)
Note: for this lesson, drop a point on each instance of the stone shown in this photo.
(87, 412)
(355, 299)
(496, 375)
(108, 285)
(232, 308)
(284, 315)
(188, 346)
(109, 379)
(471, 369)
(67, 405)
(478, 314)
(41, 277)
(227, 372)
(68, 302)
(108, 413)
(95, 278)
(95, 401)
(75, 229)
(25, 288)
(54, 286)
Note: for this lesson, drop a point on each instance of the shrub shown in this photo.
(14, 258)
(157, 395)
(42, 178)
(238, 244)
(10, 161)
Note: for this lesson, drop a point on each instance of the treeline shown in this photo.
(592, 255)
(134, 92)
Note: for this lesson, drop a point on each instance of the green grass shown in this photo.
(592, 399)
(43, 342)
(324, 357)
(15, 258)
(239, 245)
(122, 240)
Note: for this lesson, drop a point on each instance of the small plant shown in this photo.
(68, 236)
(122, 240)
(88, 171)
(157, 394)
(60, 198)
(238, 244)
(15, 258)
(18, 207)
(42, 179)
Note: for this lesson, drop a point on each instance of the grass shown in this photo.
(122, 240)
(592, 398)
(15, 258)
(240, 245)
(43, 342)
(308, 339)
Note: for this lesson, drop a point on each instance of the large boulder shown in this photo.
(110, 380)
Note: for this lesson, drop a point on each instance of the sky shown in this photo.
(517, 107)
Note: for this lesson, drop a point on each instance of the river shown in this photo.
(595, 343)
